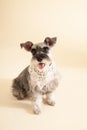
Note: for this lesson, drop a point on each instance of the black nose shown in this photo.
(40, 57)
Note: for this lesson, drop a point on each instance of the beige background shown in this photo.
(22, 20)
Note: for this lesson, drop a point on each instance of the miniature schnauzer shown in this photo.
(40, 77)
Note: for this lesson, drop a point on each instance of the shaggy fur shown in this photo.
(40, 77)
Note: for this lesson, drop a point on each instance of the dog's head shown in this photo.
(41, 56)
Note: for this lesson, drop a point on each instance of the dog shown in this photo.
(40, 77)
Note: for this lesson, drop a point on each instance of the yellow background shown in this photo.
(22, 20)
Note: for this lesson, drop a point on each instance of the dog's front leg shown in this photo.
(50, 98)
(37, 103)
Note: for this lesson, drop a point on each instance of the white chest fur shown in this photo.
(41, 79)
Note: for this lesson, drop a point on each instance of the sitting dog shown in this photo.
(40, 77)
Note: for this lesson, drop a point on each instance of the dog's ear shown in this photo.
(50, 41)
(27, 45)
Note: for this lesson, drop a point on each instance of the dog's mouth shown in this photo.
(41, 65)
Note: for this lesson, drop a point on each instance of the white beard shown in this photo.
(41, 78)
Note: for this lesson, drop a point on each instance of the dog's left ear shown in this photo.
(27, 45)
(50, 41)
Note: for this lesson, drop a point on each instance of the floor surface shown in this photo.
(69, 113)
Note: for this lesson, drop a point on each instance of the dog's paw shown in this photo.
(50, 99)
(51, 102)
(36, 109)
(37, 112)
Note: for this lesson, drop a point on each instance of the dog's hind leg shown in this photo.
(20, 88)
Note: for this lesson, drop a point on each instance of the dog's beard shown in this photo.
(40, 66)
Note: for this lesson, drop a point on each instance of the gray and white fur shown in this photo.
(40, 77)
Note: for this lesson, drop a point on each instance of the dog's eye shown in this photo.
(45, 49)
(33, 51)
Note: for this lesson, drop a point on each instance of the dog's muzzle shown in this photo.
(40, 57)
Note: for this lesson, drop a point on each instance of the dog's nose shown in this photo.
(40, 57)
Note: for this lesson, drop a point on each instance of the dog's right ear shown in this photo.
(27, 45)
(50, 41)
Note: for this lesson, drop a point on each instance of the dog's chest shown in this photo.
(40, 79)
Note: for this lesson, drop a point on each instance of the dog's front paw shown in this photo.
(50, 99)
(51, 102)
(36, 110)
